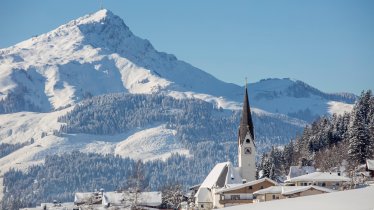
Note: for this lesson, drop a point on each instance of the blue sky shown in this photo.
(326, 43)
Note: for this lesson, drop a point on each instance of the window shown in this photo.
(235, 197)
(323, 184)
(250, 187)
(273, 197)
(202, 205)
(262, 187)
(247, 150)
(247, 141)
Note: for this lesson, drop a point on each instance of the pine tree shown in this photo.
(360, 145)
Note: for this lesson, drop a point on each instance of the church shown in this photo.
(227, 185)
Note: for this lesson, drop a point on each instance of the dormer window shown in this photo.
(247, 141)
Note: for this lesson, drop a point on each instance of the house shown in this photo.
(126, 199)
(224, 175)
(236, 194)
(84, 198)
(323, 179)
(299, 171)
(281, 192)
(370, 168)
(53, 206)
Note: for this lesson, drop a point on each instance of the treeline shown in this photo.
(63, 175)
(6, 149)
(328, 142)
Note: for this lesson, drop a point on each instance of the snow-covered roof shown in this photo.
(239, 186)
(203, 195)
(272, 189)
(123, 198)
(85, 197)
(319, 177)
(289, 190)
(370, 164)
(223, 174)
(300, 170)
(357, 199)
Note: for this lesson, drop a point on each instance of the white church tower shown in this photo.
(246, 144)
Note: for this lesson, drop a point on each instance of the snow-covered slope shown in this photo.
(93, 55)
(297, 99)
(98, 54)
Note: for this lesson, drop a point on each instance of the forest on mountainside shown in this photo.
(325, 143)
(331, 143)
(194, 120)
(63, 175)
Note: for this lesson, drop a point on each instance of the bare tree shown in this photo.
(172, 195)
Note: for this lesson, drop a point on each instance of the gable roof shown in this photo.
(289, 190)
(87, 197)
(122, 198)
(319, 177)
(221, 175)
(239, 186)
(370, 164)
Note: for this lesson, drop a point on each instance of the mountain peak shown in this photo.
(99, 16)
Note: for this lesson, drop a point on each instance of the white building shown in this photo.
(323, 179)
(281, 192)
(224, 175)
(126, 199)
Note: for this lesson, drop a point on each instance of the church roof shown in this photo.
(246, 124)
(221, 175)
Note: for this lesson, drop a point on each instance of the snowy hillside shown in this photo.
(297, 99)
(94, 55)
(46, 76)
(98, 54)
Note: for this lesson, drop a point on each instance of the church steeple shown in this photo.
(246, 124)
(246, 143)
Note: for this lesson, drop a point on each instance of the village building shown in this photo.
(127, 199)
(323, 179)
(81, 198)
(370, 168)
(117, 200)
(54, 206)
(235, 194)
(282, 192)
(228, 185)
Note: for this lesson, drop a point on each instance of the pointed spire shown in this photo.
(246, 124)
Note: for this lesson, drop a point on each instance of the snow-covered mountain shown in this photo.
(98, 54)
(94, 55)
(43, 78)
(297, 99)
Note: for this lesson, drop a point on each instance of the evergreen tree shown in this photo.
(360, 145)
